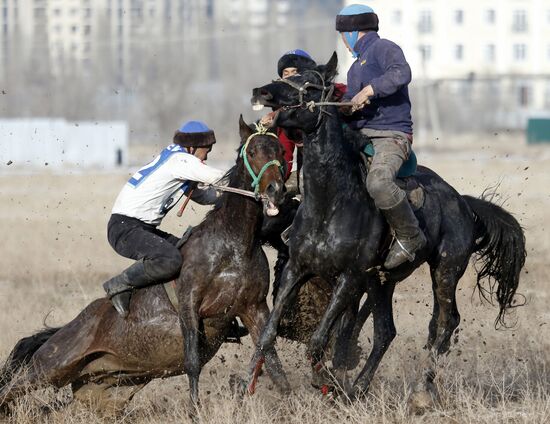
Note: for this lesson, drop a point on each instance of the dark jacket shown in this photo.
(381, 63)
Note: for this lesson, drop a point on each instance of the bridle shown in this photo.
(260, 130)
(326, 93)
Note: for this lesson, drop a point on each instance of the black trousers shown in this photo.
(137, 240)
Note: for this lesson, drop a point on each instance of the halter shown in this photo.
(260, 130)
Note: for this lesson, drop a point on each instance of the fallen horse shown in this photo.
(107, 359)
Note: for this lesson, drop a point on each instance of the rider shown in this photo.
(291, 63)
(377, 85)
(144, 201)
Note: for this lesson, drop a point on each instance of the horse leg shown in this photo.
(348, 291)
(384, 333)
(291, 280)
(340, 361)
(254, 318)
(445, 273)
(189, 321)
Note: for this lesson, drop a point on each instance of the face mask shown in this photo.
(351, 38)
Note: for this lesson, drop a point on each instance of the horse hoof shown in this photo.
(420, 402)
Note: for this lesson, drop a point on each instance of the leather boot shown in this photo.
(409, 238)
(119, 288)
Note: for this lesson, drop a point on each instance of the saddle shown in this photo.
(405, 179)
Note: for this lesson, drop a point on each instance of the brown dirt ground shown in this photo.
(55, 256)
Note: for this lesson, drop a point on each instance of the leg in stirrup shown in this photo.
(409, 238)
(119, 288)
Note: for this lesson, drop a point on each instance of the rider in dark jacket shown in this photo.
(377, 85)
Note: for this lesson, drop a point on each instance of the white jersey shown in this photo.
(156, 188)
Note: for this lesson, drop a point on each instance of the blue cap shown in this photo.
(194, 127)
(299, 52)
(194, 134)
(356, 9)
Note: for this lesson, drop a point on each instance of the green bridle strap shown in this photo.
(260, 130)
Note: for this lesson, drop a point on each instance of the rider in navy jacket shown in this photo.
(381, 64)
(377, 87)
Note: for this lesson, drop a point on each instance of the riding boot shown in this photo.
(119, 288)
(409, 238)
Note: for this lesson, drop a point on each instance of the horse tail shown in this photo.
(500, 248)
(22, 353)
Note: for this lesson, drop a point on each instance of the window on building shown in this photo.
(459, 17)
(57, 12)
(490, 53)
(152, 12)
(524, 95)
(74, 29)
(120, 30)
(396, 17)
(57, 29)
(87, 29)
(490, 16)
(520, 52)
(426, 52)
(425, 25)
(87, 12)
(5, 13)
(519, 21)
(74, 11)
(459, 52)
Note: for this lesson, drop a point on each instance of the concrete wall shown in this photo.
(62, 144)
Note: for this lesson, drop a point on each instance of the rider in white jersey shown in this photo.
(146, 199)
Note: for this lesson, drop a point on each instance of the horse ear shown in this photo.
(331, 68)
(244, 130)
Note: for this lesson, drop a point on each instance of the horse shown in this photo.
(225, 274)
(339, 235)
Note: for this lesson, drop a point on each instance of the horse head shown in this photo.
(293, 99)
(263, 158)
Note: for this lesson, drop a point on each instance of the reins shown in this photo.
(260, 130)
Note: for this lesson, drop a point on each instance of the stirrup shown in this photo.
(285, 235)
(410, 256)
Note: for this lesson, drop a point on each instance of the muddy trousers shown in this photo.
(391, 150)
(158, 259)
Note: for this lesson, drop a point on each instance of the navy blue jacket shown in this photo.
(381, 63)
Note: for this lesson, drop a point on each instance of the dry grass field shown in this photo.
(54, 257)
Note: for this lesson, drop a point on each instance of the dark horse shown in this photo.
(340, 236)
(225, 275)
